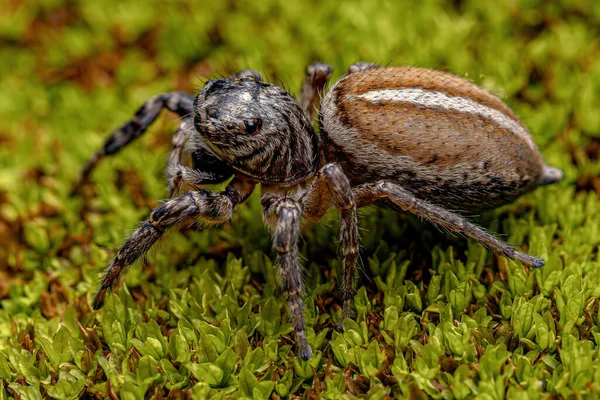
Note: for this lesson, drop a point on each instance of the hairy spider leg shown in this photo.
(367, 194)
(309, 99)
(210, 207)
(178, 102)
(331, 183)
(287, 212)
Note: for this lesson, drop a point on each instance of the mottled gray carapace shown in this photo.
(258, 129)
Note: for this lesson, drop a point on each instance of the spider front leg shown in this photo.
(284, 213)
(369, 193)
(317, 75)
(331, 183)
(178, 102)
(210, 207)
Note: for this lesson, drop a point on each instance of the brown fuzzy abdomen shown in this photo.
(454, 151)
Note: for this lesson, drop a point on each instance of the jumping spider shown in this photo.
(420, 140)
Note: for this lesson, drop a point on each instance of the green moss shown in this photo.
(437, 316)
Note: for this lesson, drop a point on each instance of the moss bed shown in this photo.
(435, 316)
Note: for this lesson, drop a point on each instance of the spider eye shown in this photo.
(252, 125)
(229, 126)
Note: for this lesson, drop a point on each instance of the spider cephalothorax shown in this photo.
(419, 140)
(258, 129)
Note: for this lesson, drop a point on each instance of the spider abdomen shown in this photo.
(438, 135)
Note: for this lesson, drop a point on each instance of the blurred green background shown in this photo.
(435, 315)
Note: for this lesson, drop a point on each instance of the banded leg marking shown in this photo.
(209, 206)
(330, 184)
(178, 102)
(317, 75)
(287, 212)
(369, 193)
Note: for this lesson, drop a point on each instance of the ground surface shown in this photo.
(437, 316)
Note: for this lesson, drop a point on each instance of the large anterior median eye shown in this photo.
(252, 125)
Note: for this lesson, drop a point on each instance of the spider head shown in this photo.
(257, 128)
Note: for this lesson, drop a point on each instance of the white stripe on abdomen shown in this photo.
(456, 104)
